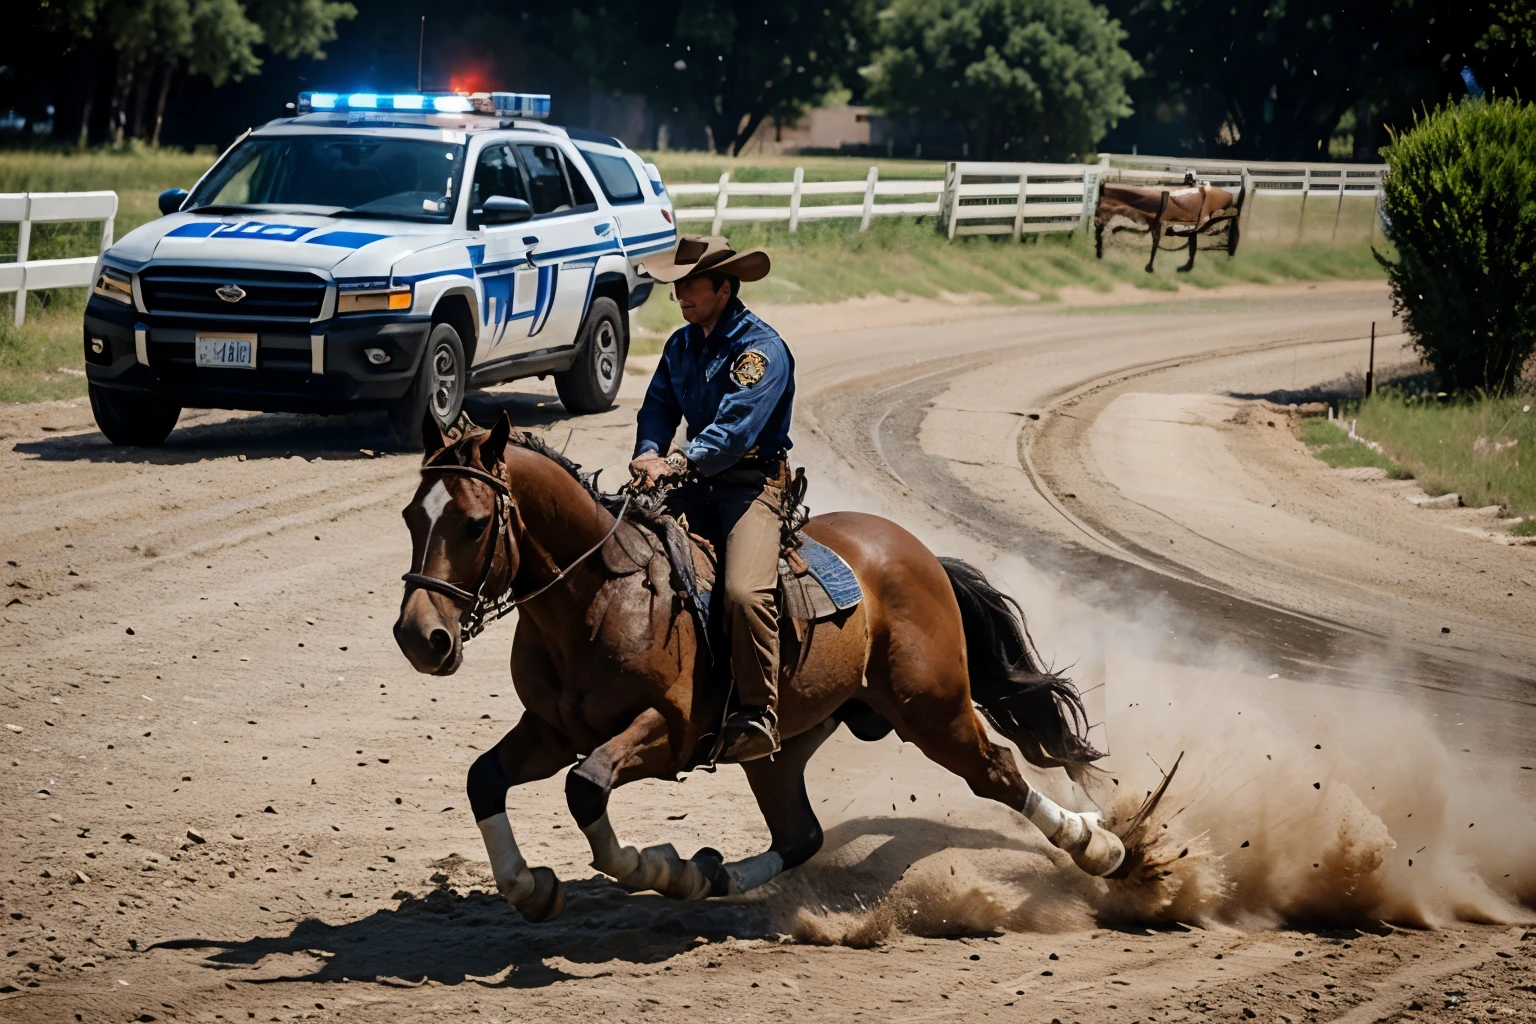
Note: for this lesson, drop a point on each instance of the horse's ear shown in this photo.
(493, 447)
(432, 439)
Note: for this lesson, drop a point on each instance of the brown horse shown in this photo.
(607, 664)
(1179, 212)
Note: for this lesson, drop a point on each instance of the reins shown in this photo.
(482, 611)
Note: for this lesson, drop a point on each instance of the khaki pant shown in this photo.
(741, 509)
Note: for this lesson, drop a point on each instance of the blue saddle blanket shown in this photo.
(835, 575)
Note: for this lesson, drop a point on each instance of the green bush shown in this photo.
(1460, 207)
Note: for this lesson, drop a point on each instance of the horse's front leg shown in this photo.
(642, 751)
(532, 750)
(1190, 263)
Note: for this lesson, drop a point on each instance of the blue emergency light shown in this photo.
(499, 104)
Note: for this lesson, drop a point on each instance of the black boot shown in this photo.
(750, 733)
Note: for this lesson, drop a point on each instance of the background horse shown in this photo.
(608, 666)
(1189, 210)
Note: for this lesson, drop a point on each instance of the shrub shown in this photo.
(1460, 208)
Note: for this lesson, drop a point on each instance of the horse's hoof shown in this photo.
(547, 899)
(711, 864)
(1103, 853)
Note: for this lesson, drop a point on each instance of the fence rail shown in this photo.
(1262, 178)
(27, 208)
(722, 212)
(1017, 198)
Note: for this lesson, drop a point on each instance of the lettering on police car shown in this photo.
(749, 368)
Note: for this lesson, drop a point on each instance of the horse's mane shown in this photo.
(531, 442)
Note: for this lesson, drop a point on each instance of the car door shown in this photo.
(642, 209)
(509, 282)
(572, 232)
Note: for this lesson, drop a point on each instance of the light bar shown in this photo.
(499, 104)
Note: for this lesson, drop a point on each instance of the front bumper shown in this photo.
(300, 367)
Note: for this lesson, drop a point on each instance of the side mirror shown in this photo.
(171, 200)
(504, 210)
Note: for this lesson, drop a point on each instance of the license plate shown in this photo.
(225, 350)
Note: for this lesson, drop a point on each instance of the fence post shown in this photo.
(1090, 196)
(23, 243)
(1306, 186)
(869, 197)
(721, 198)
(794, 200)
(951, 199)
(1338, 211)
(1018, 218)
(106, 228)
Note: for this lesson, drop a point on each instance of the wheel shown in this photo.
(133, 417)
(592, 382)
(438, 389)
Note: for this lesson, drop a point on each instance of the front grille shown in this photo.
(191, 291)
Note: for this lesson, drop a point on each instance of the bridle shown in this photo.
(480, 609)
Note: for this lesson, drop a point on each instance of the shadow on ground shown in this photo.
(452, 937)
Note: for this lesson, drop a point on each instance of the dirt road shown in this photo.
(230, 798)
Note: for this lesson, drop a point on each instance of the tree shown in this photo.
(1272, 79)
(1460, 210)
(733, 61)
(152, 44)
(1026, 79)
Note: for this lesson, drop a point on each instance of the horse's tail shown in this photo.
(1040, 711)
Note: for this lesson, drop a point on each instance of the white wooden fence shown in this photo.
(1018, 199)
(1307, 182)
(722, 212)
(27, 208)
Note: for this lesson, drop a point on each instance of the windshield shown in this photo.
(370, 176)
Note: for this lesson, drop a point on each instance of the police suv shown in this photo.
(379, 251)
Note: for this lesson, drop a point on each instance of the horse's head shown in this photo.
(458, 547)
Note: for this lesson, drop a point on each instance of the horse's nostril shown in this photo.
(442, 643)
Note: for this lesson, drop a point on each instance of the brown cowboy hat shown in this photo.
(696, 255)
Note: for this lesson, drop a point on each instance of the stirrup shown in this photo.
(749, 735)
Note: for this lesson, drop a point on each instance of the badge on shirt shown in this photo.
(749, 368)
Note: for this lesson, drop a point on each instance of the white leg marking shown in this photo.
(754, 871)
(1060, 825)
(513, 878)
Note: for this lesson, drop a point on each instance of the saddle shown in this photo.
(815, 583)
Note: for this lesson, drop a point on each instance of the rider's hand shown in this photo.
(648, 470)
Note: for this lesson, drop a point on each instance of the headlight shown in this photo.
(372, 300)
(115, 285)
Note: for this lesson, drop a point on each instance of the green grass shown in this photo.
(1332, 444)
(1481, 448)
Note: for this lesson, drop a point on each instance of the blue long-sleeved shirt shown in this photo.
(735, 389)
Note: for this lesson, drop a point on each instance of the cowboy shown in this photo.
(731, 378)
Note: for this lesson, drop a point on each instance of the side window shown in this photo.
(546, 178)
(497, 174)
(616, 177)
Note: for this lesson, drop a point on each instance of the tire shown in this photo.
(438, 389)
(592, 382)
(133, 417)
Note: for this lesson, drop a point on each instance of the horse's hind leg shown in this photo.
(642, 751)
(779, 785)
(530, 751)
(935, 713)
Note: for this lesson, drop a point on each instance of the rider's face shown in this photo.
(700, 301)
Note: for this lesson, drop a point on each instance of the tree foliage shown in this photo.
(1460, 206)
(1026, 79)
(734, 62)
